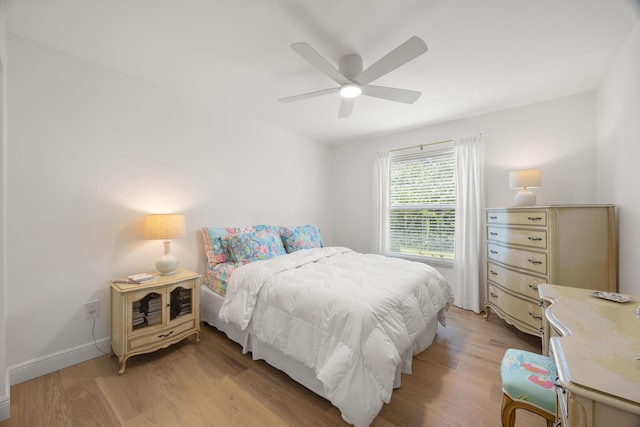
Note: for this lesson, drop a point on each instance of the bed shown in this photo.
(343, 324)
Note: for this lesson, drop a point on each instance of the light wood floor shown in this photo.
(456, 382)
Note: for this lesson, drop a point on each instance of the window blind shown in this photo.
(422, 199)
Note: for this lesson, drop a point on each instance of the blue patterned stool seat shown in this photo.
(527, 383)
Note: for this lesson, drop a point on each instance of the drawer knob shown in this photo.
(493, 252)
(493, 295)
(533, 316)
(493, 217)
(533, 287)
(534, 239)
(165, 335)
(493, 233)
(534, 218)
(534, 261)
(493, 272)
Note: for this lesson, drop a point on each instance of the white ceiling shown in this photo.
(483, 55)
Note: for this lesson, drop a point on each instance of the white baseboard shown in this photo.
(5, 408)
(5, 401)
(53, 362)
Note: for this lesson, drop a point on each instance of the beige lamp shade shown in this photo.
(164, 227)
(523, 180)
(530, 178)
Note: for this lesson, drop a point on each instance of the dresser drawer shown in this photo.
(518, 236)
(518, 282)
(533, 261)
(162, 335)
(522, 310)
(517, 218)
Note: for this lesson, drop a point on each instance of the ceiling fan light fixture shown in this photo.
(350, 90)
(353, 80)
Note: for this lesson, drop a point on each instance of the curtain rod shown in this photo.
(421, 146)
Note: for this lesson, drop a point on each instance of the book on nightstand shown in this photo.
(134, 279)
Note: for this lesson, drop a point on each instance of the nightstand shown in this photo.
(153, 315)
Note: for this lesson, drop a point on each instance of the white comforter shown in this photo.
(346, 315)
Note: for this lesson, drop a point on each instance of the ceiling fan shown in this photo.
(354, 81)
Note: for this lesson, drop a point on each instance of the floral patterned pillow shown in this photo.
(216, 251)
(302, 237)
(217, 277)
(249, 247)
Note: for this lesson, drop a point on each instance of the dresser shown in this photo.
(569, 245)
(152, 315)
(595, 345)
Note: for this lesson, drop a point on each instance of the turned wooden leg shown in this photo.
(122, 361)
(508, 412)
(509, 407)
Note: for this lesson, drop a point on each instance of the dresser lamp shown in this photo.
(523, 180)
(165, 227)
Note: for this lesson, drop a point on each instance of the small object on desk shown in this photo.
(139, 278)
(125, 281)
(134, 279)
(612, 296)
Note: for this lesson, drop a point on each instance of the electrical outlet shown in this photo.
(91, 309)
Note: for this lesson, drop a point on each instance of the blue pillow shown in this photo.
(302, 237)
(249, 247)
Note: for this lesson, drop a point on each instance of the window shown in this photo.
(422, 202)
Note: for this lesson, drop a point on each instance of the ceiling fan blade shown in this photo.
(399, 56)
(308, 53)
(309, 95)
(391, 93)
(346, 107)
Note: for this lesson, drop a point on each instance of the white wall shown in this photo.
(556, 136)
(618, 130)
(4, 389)
(91, 151)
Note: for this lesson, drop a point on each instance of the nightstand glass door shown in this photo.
(146, 310)
(181, 300)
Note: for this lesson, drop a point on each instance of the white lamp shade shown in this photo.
(164, 227)
(530, 178)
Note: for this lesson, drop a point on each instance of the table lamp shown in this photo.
(523, 180)
(165, 227)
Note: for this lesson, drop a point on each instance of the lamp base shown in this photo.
(525, 198)
(167, 265)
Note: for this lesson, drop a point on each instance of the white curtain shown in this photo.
(469, 286)
(381, 204)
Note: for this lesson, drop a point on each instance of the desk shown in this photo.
(594, 343)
